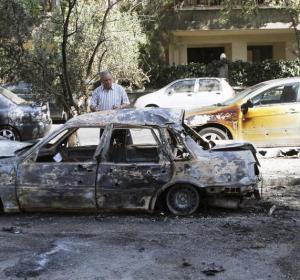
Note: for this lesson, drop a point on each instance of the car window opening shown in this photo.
(72, 146)
(134, 145)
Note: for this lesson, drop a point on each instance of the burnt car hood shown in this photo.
(212, 114)
(8, 147)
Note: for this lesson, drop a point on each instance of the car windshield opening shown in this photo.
(241, 95)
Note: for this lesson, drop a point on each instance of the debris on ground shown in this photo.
(272, 209)
(211, 269)
(13, 229)
(185, 263)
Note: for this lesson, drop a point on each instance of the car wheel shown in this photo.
(151, 106)
(212, 133)
(182, 200)
(9, 133)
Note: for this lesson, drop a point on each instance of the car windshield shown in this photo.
(12, 97)
(241, 95)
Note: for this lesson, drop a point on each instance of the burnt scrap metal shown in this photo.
(125, 169)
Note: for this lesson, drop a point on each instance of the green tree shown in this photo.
(68, 47)
(154, 16)
(16, 25)
(82, 38)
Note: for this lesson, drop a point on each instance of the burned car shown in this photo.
(22, 120)
(125, 159)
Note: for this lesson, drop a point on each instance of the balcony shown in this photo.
(212, 4)
(207, 15)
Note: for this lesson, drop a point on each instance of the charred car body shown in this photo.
(143, 157)
(21, 120)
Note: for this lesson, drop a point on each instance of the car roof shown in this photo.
(144, 116)
(201, 78)
(282, 80)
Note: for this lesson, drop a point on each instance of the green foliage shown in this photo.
(163, 74)
(154, 16)
(63, 51)
(240, 73)
(15, 30)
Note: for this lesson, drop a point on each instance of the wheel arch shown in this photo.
(216, 125)
(151, 105)
(161, 193)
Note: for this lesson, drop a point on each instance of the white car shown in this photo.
(188, 94)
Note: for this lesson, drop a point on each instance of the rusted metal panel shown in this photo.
(57, 186)
(146, 116)
(130, 186)
(7, 185)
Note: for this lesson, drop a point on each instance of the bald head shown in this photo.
(106, 79)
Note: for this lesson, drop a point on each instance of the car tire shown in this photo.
(182, 200)
(10, 133)
(213, 133)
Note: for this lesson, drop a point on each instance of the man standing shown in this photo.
(223, 69)
(108, 95)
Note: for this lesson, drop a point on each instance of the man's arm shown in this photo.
(125, 99)
(94, 101)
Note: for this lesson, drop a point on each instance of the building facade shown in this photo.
(197, 33)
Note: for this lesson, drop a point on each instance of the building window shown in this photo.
(204, 55)
(259, 53)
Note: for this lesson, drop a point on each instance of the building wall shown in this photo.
(199, 27)
(235, 43)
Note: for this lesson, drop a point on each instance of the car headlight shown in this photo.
(196, 120)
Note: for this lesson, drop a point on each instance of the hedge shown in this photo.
(240, 73)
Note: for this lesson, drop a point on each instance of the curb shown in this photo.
(281, 180)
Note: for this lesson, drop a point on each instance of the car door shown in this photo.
(61, 174)
(133, 167)
(207, 92)
(275, 117)
(179, 95)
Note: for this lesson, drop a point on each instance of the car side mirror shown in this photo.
(170, 91)
(245, 107)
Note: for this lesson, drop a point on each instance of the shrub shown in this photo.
(240, 73)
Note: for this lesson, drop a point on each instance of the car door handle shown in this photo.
(218, 93)
(292, 111)
(189, 94)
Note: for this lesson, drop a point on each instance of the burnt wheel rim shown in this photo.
(8, 134)
(183, 200)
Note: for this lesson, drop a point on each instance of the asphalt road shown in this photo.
(259, 241)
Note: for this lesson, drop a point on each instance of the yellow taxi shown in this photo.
(266, 114)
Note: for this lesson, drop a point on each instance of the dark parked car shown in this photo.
(144, 158)
(24, 90)
(21, 120)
